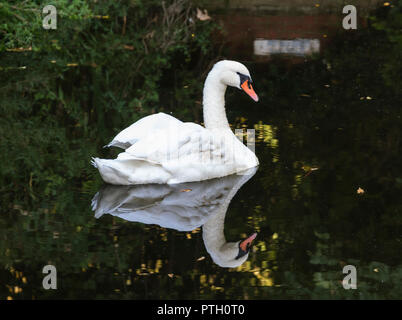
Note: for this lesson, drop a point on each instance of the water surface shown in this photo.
(327, 194)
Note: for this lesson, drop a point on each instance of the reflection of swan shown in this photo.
(182, 207)
(161, 149)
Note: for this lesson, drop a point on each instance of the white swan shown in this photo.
(161, 149)
(183, 207)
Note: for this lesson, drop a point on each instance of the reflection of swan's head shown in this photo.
(234, 74)
(230, 254)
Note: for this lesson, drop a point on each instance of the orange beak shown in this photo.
(245, 244)
(248, 88)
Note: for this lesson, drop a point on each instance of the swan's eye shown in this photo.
(243, 79)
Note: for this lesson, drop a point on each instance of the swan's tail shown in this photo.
(119, 144)
(96, 206)
(128, 171)
(93, 162)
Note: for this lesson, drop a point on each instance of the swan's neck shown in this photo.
(223, 253)
(214, 102)
(213, 232)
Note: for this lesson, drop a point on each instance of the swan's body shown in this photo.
(183, 207)
(161, 149)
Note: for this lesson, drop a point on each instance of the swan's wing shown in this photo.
(142, 128)
(177, 152)
(185, 142)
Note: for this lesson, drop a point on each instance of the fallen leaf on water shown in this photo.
(101, 17)
(360, 191)
(309, 170)
(203, 15)
(17, 289)
(185, 190)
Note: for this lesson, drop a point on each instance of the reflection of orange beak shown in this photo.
(247, 87)
(245, 244)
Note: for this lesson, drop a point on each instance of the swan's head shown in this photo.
(234, 74)
(232, 254)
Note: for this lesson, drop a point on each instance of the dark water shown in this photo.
(327, 194)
